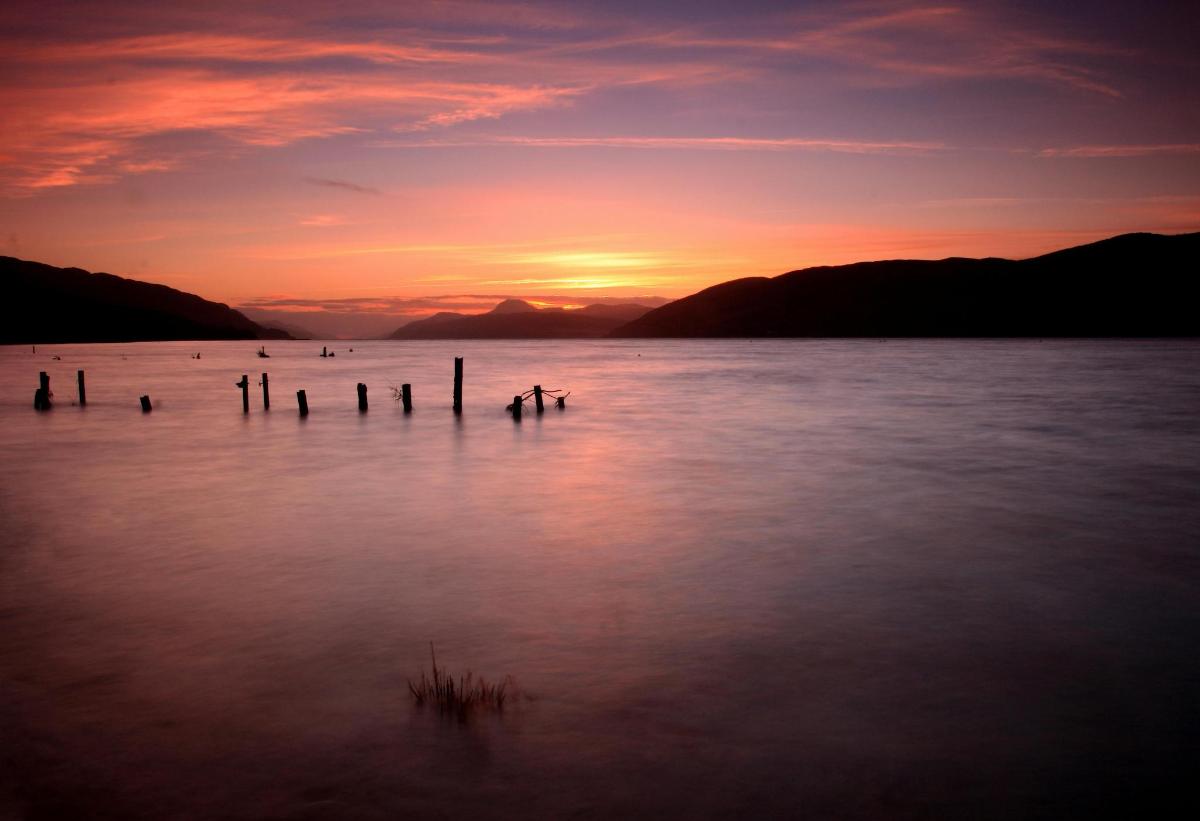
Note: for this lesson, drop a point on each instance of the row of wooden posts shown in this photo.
(41, 398)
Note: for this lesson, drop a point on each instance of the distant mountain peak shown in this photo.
(513, 306)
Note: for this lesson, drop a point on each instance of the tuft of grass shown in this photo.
(458, 696)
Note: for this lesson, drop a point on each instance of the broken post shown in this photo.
(245, 386)
(145, 404)
(406, 397)
(516, 408)
(325, 351)
(537, 398)
(560, 401)
(266, 394)
(41, 398)
(302, 401)
(362, 397)
(82, 392)
(458, 384)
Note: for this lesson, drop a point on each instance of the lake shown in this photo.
(732, 579)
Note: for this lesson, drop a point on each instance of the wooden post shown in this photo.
(560, 401)
(325, 351)
(145, 404)
(458, 368)
(362, 397)
(516, 406)
(41, 399)
(406, 397)
(245, 386)
(302, 401)
(537, 398)
(266, 394)
(82, 391)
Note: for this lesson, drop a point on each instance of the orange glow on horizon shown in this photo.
(475, 148)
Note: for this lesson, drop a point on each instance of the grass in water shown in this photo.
(460, 696)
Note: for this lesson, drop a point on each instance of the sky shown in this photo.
(412, 157)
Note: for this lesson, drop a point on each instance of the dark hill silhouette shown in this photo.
(1130, 285)
(513, 306)
(47, 304)
(509, 320)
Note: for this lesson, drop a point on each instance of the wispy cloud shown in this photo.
(1098, 151)
(342, 184)
(689, 143)
(323, 220)
(87, 106)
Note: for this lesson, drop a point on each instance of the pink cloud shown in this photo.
(1097, 151)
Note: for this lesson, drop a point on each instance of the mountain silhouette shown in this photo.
(516, 319)
(513, 306)
(1129, 285)
(48, 304)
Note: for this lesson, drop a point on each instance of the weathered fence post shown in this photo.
(516, 407)
(406, 397)
(302, 401)
(245, 386)
(537, 398)
(325, 351)
(458, 368)
(82, 391)
(145, 404)
(266, 394)
(362, 397)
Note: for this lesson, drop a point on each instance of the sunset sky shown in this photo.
(304, 153)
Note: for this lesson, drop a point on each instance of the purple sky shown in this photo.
(379, 150)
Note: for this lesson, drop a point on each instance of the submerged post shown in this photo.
(145, 404)
(458, 384)
(302, 401)
(266, 394)
(516, 407)
(560, 402)
(245, 386)
(82, 392)
(537, 398)
(41, 398)
(406, 397)
(325, 351)
(362, 397)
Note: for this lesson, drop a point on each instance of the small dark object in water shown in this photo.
(262, 353)
(82, 390)
(302, 401)
(458, 377)
(245, 386)
(362, 398)
(41, 397)
(145, 404)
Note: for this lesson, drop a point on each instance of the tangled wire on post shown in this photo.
(557, 394)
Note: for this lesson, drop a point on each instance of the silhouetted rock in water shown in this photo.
(516, 319)
(47, 304)
(1130, 285)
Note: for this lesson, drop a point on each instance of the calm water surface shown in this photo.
(734, 579)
